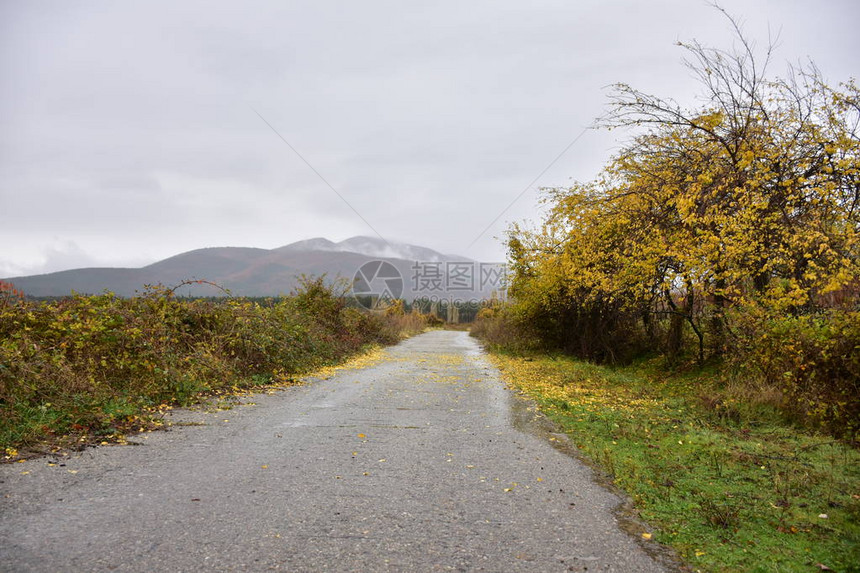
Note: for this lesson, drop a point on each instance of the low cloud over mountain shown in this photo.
(263, 272)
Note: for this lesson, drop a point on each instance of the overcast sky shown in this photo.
(129, 131)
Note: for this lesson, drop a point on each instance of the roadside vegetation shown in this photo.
(92, 368)
(729, 486)
(692, 316)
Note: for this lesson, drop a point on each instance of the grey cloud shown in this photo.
(128, 129)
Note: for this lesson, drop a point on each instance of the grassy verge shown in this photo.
(729, 489)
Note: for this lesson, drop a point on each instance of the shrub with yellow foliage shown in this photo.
(712, 229)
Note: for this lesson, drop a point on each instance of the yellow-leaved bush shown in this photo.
(728, 232)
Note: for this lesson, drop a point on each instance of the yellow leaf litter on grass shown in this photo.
(595, 396)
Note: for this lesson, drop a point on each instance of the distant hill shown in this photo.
(264, 272)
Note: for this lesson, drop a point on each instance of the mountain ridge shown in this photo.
(248, 271)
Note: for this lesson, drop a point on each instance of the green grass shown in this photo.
(723, 480)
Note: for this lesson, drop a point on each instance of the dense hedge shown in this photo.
(806, 367)
(86, 363)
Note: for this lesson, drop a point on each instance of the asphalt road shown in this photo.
(422, 461)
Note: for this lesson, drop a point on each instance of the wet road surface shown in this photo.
(419, 462)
